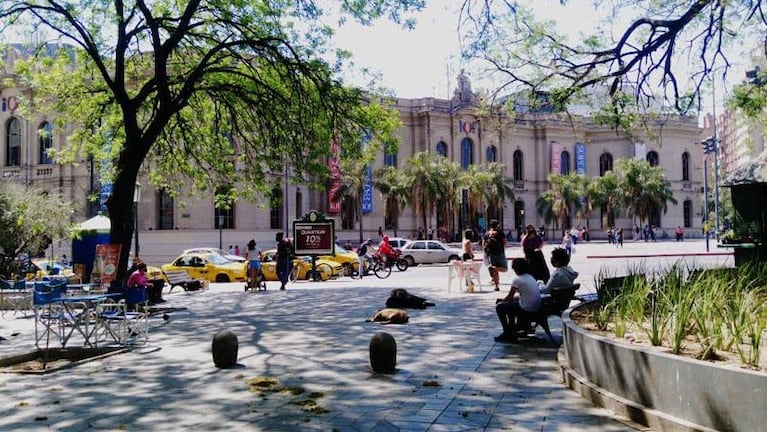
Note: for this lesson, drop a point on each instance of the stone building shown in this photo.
(537, 142)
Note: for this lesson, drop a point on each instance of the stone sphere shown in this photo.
(383, 353)
(224, 349)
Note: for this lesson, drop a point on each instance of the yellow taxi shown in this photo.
(46, 269)
(209, 266)
(302, 266)
(343, 256)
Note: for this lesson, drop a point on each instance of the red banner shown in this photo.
(105, 263)
(334, 202)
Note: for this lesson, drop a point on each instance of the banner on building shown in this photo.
(334, 201)
(556, 158)
(367, 191)
(580, 158)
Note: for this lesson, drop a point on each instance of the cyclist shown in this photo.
(363, 255)
(386, 251)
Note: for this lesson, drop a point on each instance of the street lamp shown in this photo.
(136, 200)
(220, 229)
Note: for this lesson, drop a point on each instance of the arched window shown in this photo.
(390, 159)
(46, 142)
(299, 204)
(685, 166)
(652, 158)
(275, 209)
(467, 153)
(13, 142)
(564, 163)
(491, 154)
(518, 165)
(605, 163)
(165, 209)
(687, 213)
(519, 214)
(442, 149)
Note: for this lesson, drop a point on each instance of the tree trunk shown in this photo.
(121, 216)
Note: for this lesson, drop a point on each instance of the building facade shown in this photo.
(530, 146)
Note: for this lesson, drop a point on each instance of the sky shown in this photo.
(424, 62)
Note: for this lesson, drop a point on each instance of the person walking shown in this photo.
(284, 252)
(619, 237)
(495, 250)
(253, 256)
(531, 246)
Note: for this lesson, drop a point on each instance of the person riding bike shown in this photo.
(385, 250)
(364, 255)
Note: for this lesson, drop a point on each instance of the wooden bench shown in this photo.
(181, 278)
(554, 303)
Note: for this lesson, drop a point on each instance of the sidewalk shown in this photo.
(313, 339)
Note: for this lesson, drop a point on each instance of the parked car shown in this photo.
(209, 266)
(398, 242)
(152, 272)
(428, 252)
(46, 269)
(326, 268)
(223, 253)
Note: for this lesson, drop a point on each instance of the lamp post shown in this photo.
(136, 200)
(220, 229)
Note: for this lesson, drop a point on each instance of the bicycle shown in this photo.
(381, 266)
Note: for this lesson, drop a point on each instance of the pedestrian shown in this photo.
(284, 252)
(468, 246)
(253, 256)
(237, 250)
(646, 232)
(679, 232)
(380, 232)
(636, 232)
(64, 259)
(567, 243)
(431, 233)
(532, 243)
(574, 234)
(421, 235)
(609, 235)
(230, 251)
(619, 237)
(495, 251)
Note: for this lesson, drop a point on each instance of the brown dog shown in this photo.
(390, 316)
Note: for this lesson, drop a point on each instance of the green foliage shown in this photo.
(29, 219)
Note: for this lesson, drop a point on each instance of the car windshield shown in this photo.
(217, 259)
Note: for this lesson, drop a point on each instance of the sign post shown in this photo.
(314, 235)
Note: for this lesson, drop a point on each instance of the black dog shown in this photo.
(400, 298)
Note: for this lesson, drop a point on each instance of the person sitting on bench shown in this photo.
(511, 310)
(563, 275)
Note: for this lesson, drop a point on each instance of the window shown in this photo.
(605, 163)
(564, 163)
(685, 167)
(467, 153)
(390, 159)
(519, 214)
(442, 149)
(518, 163)
(224, 218)
(491, 154)
(652, 158)
(165, 209)
(687, 213)
(46, 142)
(275, 209)
(13, 142)
(299, 204)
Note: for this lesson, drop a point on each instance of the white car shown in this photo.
(398, 242)
(428, 252)
(217, 251)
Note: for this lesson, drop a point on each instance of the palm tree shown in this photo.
(608, 194)
(500, 188)
(645, 188)
(421, 173)
(562, 196)
(353, 175)
(391, 183)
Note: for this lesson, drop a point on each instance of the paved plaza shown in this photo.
(304, 362)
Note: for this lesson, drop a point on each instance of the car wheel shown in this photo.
(222, 278)
(410, 261)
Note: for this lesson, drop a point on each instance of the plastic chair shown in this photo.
(128, 320)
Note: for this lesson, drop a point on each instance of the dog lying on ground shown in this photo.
(390, 316)
(400, 298)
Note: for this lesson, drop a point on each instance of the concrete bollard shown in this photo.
(224, 349)
(383, 353)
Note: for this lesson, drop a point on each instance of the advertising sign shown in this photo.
(105, 263)
(314, 235)
(580, 158)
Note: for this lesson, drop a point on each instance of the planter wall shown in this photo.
(662, 390)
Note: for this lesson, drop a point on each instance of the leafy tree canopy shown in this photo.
(210, 91)
(655, 51)
(29, 219)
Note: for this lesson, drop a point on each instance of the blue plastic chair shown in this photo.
(49, 319)
(14, 296)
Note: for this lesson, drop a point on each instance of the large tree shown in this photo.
(209, 90)
(646, 48)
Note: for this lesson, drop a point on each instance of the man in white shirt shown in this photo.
(513, 310)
